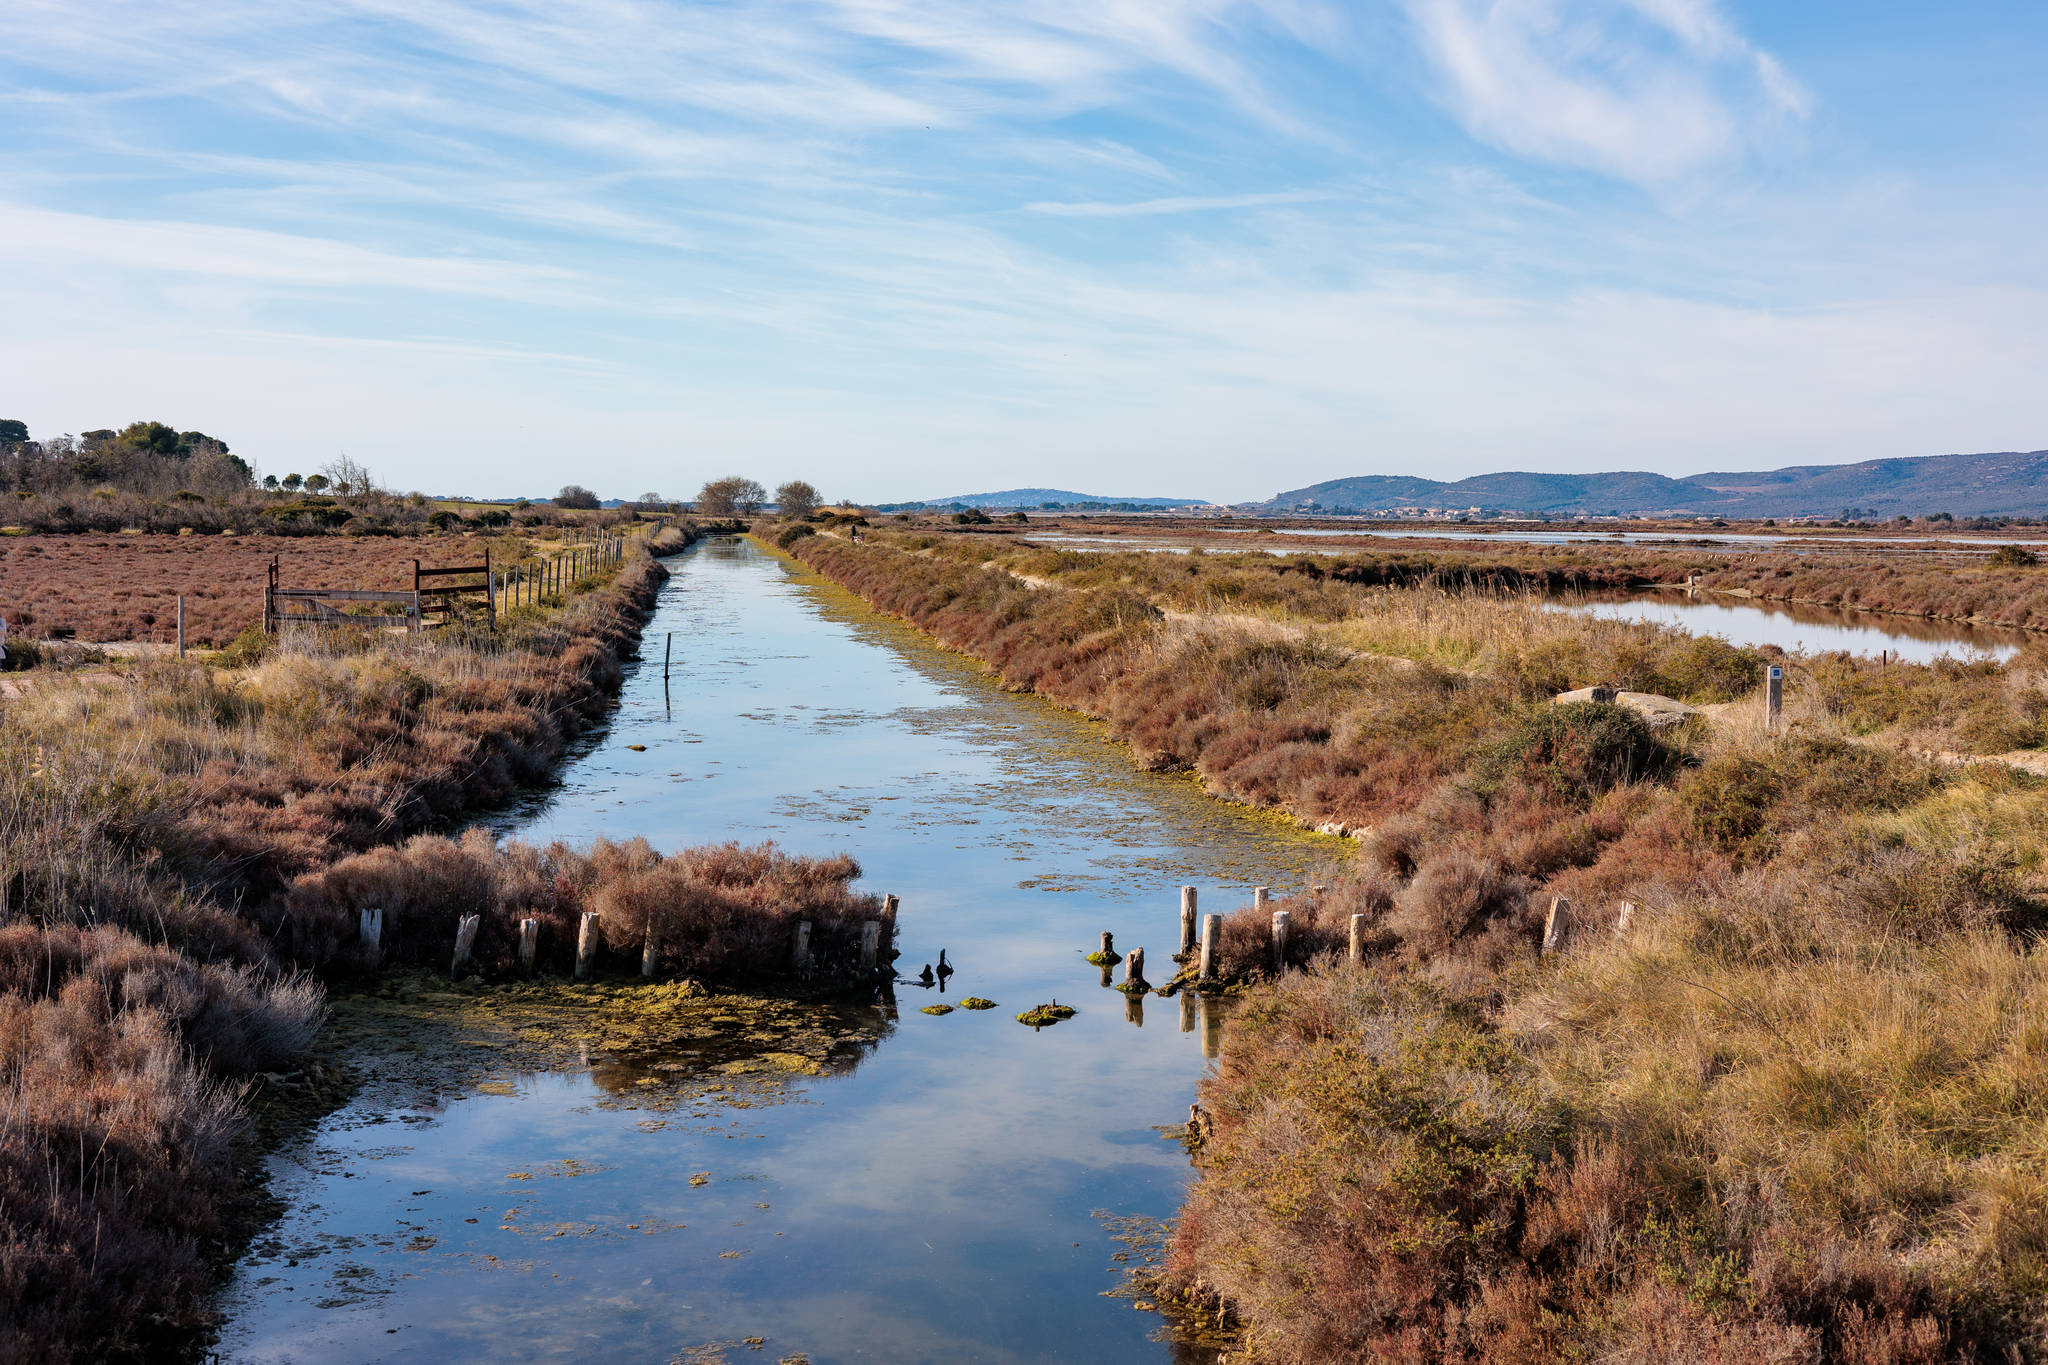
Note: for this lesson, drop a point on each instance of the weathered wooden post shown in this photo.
(800, 951)
(650, 952)
(529, 944)
(1624, 917)
(889, 904)
(870, 944)
(1358, 937)
(1108, 944)
(1134, 971)
(1260, 895)
(465, 940)
(1212, 933)
(1557, 925)
(586, 945)
(370, 926)
(1315, 895)
(1187, 918)
(1280, 918)
(181, 625)
(1774, 696)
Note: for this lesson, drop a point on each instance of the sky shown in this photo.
(913, 248)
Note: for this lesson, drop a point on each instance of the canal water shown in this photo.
(949, 1191)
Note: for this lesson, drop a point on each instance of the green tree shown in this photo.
(316, 483)
(292, 482)
(797, 499)
(270, 482)
(154, 437)
(12, 432)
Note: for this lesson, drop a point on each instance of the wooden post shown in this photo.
(1134, 968)
(800, 954)
(586, 945)
(1280, 940)
(1625, 917)
(1358, 937)
(650, 953)
(1315, 896)
(490, 593)
(870, 944)
(1212, 933)
(1774, 697)
(465, 940)
(529, 944)
(370, 926)
(1187, 918)
(1108, 944)
(181, 625)
(1260, 895)
(889, 904)
(1557, 925)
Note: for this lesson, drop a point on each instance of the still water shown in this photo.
(1801, 628)
(936, 1197)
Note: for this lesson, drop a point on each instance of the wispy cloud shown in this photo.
(1648, 90)
(1194, 203)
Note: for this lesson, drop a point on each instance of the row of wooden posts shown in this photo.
(370, 928)
(1557, 931)
(524, 585)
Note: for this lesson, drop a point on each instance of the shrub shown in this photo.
(1575, 752)
(790, 535)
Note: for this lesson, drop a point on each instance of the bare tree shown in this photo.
(797, 499)
(731, 496)
(349, 477)
(577, 496)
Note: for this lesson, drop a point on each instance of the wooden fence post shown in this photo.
(1212, 932)
(1280, 918)
(650, 953)
(1625, 917)
(1187, 918)
(465, 940)
(1358, 938)
(800, 953)
(1557, 925)
(370, 927)
(1260, 895)
(529, 944)
(870, 944)
(586, 945)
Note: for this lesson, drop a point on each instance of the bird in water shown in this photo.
(945, 967)
(925, 977)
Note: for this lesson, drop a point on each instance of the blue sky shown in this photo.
(911, 247)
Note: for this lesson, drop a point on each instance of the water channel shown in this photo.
(937, 1194)
(1806, 628)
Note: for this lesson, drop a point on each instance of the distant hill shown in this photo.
(2005, 484)
(1031, 499)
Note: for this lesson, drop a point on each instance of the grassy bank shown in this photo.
(183, 848)
(1793, 1109)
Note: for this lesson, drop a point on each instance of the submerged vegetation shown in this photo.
(1778, 1092)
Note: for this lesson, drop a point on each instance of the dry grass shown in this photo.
(722, 913)
(1798, 1111)
(162, 833)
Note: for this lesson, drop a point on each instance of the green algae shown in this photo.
(1043, 1016)
(1098, 958)
(975, 1002)
(936, 1009)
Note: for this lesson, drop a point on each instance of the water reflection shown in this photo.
(1805, 628)
(860, 1184)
